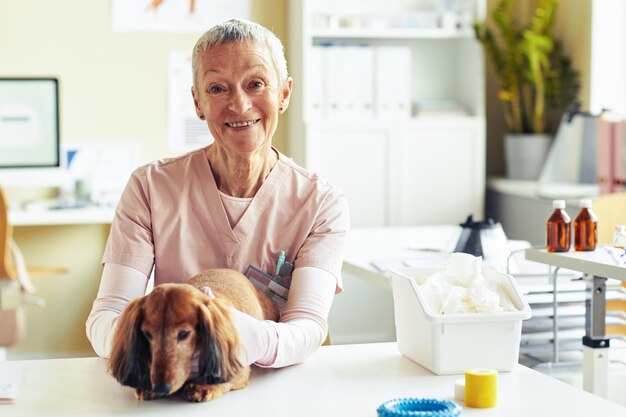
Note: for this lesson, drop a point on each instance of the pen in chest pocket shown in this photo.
(279, 263)
(283, 270)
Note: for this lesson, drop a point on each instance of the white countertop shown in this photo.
(393, 247)
(72, 216)
(343, 380)
(372, 251)
(598, 262)
(520, 188)
(547, 191)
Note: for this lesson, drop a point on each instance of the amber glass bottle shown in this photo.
(558, 234)
(585, 227)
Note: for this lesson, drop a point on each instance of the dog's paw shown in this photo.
(142, 394)
(201, 392)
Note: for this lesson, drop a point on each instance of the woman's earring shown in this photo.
(280, 109)
(201, 117)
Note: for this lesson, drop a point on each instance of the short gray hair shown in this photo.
(240, 30)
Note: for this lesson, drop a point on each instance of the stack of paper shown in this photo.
(439, 108)
(10, 375)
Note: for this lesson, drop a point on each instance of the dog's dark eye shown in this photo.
(182, 335)
(147, 334)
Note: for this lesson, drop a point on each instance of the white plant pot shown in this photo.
(525, 155)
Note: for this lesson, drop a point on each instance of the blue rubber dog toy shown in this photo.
(418, 407)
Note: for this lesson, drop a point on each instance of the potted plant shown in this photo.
(537, 82)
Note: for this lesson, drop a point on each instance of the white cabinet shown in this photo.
(436, 173)
(353, 160)
(388, 104)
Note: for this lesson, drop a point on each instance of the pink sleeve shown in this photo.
(130, 242)
(324, 247)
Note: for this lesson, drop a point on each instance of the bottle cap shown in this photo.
(558, 204)
(585, 203)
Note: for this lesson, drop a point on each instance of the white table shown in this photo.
(369, 289)
(600, 265)
(404, 246)
(69, 216)
(343, 380)
(395, 247)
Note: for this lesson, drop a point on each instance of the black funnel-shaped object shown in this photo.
(470, 240)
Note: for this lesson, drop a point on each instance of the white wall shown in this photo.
(608, 54)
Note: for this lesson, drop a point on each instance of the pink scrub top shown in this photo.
(171, 217)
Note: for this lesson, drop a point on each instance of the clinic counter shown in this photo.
(370, 251)
(341, 380)
(69, 216)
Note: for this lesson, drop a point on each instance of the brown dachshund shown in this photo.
(158, 335)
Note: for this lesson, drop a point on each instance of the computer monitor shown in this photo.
(29, 130)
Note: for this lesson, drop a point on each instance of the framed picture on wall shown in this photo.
(174, 15)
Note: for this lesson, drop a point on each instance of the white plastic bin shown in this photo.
(452, 343)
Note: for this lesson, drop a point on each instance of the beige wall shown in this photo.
(113, 88)
(113, 85)
(273, 15)
(573, 28)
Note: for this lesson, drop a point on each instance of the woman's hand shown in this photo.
(258, 338)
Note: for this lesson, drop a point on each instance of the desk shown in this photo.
(367, 289)
(87, 215)
(73, 239)
(600, 265)
(346, 380)
(396, 246)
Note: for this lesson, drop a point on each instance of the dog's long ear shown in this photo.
(130, 355)
(218, 342)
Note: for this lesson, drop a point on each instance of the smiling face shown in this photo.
(239, 95)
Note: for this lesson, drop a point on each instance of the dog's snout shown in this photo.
(162, 388)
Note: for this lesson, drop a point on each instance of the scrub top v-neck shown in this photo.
(232, 237)
(171, 217)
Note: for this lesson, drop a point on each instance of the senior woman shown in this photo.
(235, 203)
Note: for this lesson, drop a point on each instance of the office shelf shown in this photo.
(392, 34)
(428, 144)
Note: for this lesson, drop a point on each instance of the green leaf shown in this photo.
(537, 81)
